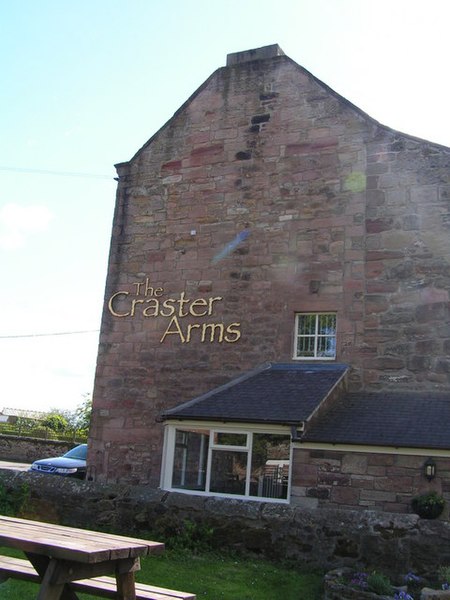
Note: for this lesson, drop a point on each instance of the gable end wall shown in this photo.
(273, 195)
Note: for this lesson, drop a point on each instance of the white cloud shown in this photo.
(18, 222)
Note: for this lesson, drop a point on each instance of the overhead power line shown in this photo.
(31, 335)
(57, 173)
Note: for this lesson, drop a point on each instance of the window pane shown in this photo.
(228, 472)
(326, 346)
(327, 325)
(230, 439)
(269, 476)
(190, 458)
(306, 324)
(305, 346)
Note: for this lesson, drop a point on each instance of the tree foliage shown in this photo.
(82, 414)
(55, 422)
(78, 420)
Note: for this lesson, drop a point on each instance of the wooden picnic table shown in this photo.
(62, 555)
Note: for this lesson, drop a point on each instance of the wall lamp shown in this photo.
(429, 469)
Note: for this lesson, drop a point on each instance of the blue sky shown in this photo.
(86, 84)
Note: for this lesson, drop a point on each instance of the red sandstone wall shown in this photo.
(407, 268)
(358, 480)
(325, 196)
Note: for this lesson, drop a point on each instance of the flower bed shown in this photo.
(347, 584)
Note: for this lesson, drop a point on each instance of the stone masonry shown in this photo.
(265, 195)
(326, 539)
(364, 481)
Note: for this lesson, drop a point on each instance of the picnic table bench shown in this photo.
(66, 560)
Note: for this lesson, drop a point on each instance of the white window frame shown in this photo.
(169, 455)
(228, 448)
(316, 336)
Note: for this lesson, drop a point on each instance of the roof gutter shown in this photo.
(297, 432)
(294, 425)
(372, 449)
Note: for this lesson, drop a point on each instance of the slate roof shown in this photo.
(413, 420)
(275, 393)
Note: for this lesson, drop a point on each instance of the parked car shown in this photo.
(70, 464)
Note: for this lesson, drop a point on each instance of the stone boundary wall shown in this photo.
(22, 449)
(324, 538)
(359, 480)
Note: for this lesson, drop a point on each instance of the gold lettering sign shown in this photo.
(148, 302)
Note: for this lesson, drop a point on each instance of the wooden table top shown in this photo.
(69, 543)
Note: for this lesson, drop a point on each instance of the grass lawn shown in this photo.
(209, 576)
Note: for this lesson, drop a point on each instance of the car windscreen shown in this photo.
(78, 453)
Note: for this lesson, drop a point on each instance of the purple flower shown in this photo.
(359, 580)
(403, 596)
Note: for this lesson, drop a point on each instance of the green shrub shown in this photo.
(444, 574)
(379, 584)
(184, 534)
(12, 502)
(429, 505)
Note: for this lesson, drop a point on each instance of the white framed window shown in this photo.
(315, 336)
(227, 462)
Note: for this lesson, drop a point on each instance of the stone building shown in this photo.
(277, 319)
